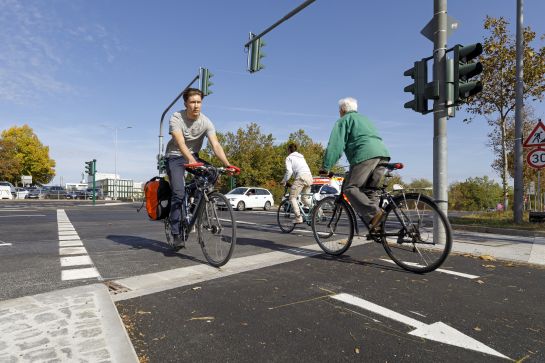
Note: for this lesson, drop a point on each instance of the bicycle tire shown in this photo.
(420, 250)
(168, 234)
(337, 239)
(217, 229)
(285, 216)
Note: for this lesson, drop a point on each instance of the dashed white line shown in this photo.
(72, 252)
(461, 274)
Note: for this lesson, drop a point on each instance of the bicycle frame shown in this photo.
(305, 215)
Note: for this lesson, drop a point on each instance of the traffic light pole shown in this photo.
(286, 17)
(440, 110)
(518, 197)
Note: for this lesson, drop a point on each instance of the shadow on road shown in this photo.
(153, 245)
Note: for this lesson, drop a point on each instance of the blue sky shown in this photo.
(69, 66)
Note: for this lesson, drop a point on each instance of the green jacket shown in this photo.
(357, 137)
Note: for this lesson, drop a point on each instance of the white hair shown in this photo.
(348, 104)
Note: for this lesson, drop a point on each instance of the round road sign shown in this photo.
(536, 158)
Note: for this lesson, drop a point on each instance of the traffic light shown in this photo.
(419, 74)
(255, 53)
(421, 89)
(464, 70)
(204, 81)
(90, 167)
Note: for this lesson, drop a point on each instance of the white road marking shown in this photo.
(461, 274)
(4, 244)
(439, 331)
(76, 261)
(266, 227)
(70, 244)
(72, 251)
(171, 279)
(79, 273)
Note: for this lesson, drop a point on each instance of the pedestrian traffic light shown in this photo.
(204, 81)
(464, 70)
(255, 53)
(420, 88)
(419, 74)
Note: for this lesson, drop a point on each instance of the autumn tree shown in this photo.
(497, 100)
(26, 155)
(421, 185)
(474, 194)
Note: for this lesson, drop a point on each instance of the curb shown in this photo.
(496, 230)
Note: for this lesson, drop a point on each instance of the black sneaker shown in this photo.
(179, 241)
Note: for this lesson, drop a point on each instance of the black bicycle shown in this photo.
(415, 233)
(209, 212)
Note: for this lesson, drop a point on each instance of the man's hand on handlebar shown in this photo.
(233, 170)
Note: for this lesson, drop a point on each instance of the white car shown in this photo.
(21, 193)
(243, 197)
(5, 192)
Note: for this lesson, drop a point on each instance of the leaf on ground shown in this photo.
(202, 318)
(477, 328)
(480, 282)
(357, 350)
(487, 258)
(196, 288)
(489, 266)
(141, 312)
(510, 264)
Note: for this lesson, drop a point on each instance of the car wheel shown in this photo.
(241, 206)
(267, 205)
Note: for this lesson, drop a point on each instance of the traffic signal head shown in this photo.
(419, 74)
(89, 167)
(204, 81)
(255, 53)
(465, 69)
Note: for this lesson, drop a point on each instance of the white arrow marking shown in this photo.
(439, 332)
(461, 274)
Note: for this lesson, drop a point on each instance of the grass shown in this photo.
(498, 220)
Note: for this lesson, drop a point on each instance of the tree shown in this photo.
(422, 185)
(474, 194)
(28, 155)
(497, 100)
(313, 151)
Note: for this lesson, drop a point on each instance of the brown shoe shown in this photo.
(374, 225)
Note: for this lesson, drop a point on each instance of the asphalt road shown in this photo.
(359, 307)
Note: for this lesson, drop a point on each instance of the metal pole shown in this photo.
(540, 205)
(440, 111)
(286, 17)
(518, 118)
(115, 167)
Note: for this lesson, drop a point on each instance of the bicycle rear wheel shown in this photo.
(417, 247)
(217, 229)
(332, 225)
(285, 216)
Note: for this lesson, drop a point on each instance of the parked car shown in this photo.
(88, 193)
(36, 193)
(11, 188)
(5, 192)
(56, 192)
(21, 193)
(243, 197)
(324, 187)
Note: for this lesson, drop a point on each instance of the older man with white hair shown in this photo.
(356, 135)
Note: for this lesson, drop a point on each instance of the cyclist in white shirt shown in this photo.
(297, 165)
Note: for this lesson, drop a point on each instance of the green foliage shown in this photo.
(421, 185)
(24, 154)
(474, 194)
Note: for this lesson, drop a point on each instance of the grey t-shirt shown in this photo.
(194, 132)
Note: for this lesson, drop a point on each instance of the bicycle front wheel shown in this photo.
(417, 234)
(332, 225)
(217, 229)
(285, 216)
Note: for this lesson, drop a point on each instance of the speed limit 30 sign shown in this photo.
(536, 158)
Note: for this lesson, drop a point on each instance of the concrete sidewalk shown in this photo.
(79, 324)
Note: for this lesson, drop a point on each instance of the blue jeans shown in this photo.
(176, 175)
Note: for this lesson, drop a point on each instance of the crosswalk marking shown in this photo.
(73, 253)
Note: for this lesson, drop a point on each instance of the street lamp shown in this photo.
(115, 154)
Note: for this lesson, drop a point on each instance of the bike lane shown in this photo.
(289, 312)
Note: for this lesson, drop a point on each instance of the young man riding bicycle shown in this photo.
(297, 165)
(354, 134)
(188, 129)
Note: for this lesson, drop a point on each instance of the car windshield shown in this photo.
(238, 191)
